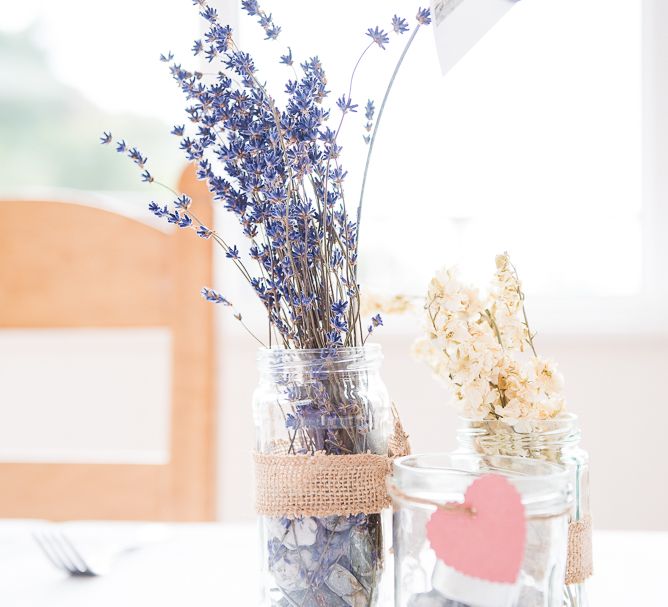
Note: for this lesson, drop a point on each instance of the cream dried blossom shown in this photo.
(506, 306)
(546, 374)
(375, 303)
(484, 351)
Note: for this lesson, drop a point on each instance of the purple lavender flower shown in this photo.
(369, 110)
(209, 13)
(266, 22)
(376, 321)
(287, 58)
(251, 7)
(399, 24)
(185, 221)
(334, 338)
(338, 175)
(204, 232)
(339, 307)
(339, 323)
(147, 177)
(183, 202)
(157, 210)
(345, 104)
(423, 16)
(135, 155)
(378, 36)
(121, 146)
(106, 138)
(214, 296)
(272, 32)
(167, 58)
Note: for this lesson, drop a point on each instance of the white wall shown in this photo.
(616, 384)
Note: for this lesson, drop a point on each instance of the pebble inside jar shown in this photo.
(479, 531)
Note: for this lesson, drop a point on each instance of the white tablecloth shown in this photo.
(207, 565)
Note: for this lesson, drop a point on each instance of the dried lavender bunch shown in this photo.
(279, 172)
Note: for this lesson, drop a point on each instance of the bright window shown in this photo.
(531, 143)
(71, 69)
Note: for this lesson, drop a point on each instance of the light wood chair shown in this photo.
(68, 265)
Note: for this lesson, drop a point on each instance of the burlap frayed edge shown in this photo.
(580, 563)
(321, 485)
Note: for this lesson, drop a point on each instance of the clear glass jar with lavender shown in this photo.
(553, 440)
(419, 482)
(334, 402)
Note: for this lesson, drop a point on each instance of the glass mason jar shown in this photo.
(312, 402)
(554, 440)
(419, 482)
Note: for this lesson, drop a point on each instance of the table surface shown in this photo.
(210, 564)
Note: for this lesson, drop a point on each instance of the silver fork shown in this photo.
(62, 554)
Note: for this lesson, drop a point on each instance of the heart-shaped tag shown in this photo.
(487, 539)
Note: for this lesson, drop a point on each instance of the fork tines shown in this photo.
(60, 551)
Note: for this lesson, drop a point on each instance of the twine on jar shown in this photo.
(398, 445)
(450, 506)
(455, 506)
(293, 486)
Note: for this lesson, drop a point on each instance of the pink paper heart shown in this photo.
(487, 543)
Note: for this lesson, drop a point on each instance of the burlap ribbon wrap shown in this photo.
(293, 486)
(580, 563)
(324, 485)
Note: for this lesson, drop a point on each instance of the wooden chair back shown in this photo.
(67, 265)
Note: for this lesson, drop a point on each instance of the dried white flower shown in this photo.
(479, 349)
(374, 303)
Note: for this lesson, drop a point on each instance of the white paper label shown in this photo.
(472, 591)
(459, 24)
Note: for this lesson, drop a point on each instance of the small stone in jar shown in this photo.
(361, 549)
(336, 523)
(319, 597)
(286, 572)
(531, 597)
(302, 532)
(345, 585)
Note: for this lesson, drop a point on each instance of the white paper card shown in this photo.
(459, 24)
(457, 586)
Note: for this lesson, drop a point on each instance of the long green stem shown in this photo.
(375, 128)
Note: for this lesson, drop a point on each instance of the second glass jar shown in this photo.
(554, 440)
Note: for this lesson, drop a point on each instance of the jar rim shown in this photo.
(544, 486)
(348, 359)
(275, 350)
(566, 417)
(564, 429)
